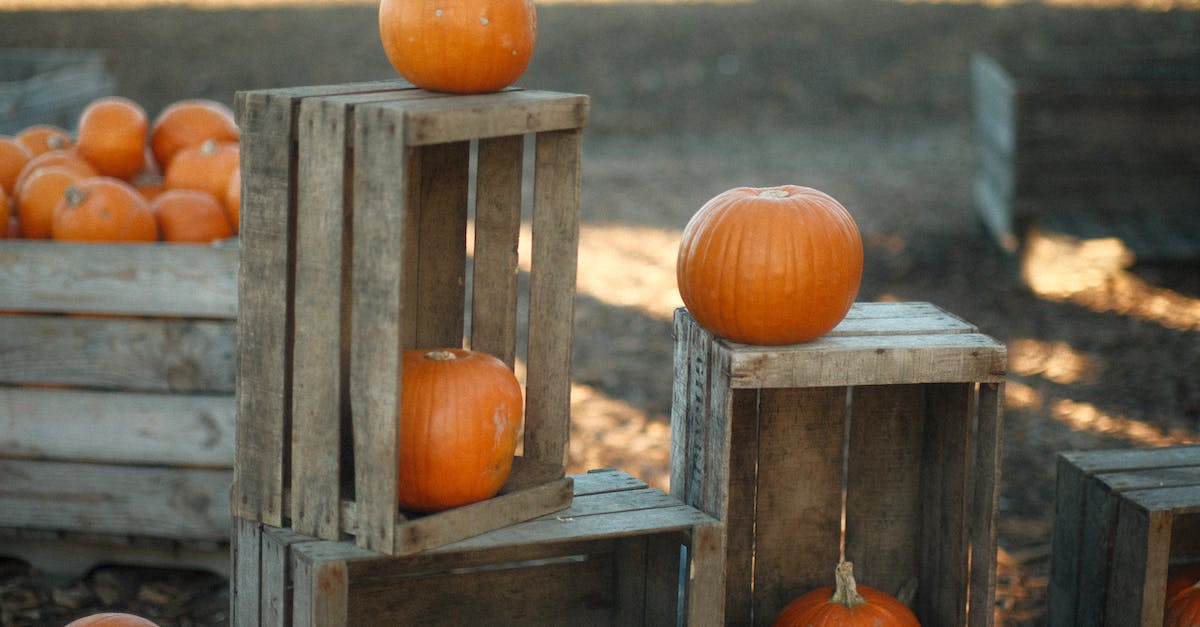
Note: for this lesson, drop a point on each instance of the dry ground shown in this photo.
(867, 100)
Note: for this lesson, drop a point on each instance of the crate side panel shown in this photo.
(497, 230)
(1137, 580)
(320, 370)
(797, 524)
(883, 484)
(137, 354)
(117, 427)
(555, 238)
(103, 498)
(137, 279)
(382, 178)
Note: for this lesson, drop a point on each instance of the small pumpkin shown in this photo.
(112, 619)
(846, 604)
(770, 266)
(462, 46)
(460, 411)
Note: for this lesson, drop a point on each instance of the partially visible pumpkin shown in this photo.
(1183, 607)
(464, 46)
(112, 619)
(846, 604)
(460, 411)
(779, 265)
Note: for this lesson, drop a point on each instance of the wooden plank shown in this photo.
(321, 589)
(945, 490)
(276, 595)
(321, 308)
(497, 230)
(664, 596)
(248, 580)
(630, 578)
(883, 500)
(555, 232)
(600, 481)
(441, 245)
(145, 501)
(381, 178)
(117, 427)
(871, 360)
(706, 557)
(985, 504)
(69, 556)
(739, 506)
(1137, 580)
(1066, 545)
(135, 354)
(136, 279)
(797, 524)
(512, 112)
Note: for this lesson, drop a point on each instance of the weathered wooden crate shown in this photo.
(116, 396)
(622, 554)
(1121, 518)
(354, 248)
(47, 86)
(905, 397)
(1090, 143)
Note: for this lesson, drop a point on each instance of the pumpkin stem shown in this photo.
(441, 355)
(845, 590)
(774, 192)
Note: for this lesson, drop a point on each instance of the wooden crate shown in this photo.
(1090, 143)
(116, 394)
(1121, 518)
(912, 394)
(356, 204)
(622, 555)
(45, 86)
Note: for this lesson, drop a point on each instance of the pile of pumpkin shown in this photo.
(121, 177)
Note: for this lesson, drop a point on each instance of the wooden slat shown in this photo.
(1066, 545)
(440, 241)
(381, 183)
(985, 506)
(883, 500)
(1137, 580)
(247, 581)
(117, 427)
(512, 112)
(497, 229)
(945, 490)
(145, 501)
(797, 523)
(320, 374)
(629, 572)
(138, 279)
(321, 590)
(740, 412)
(555, 233)
(277, 576)
(706, 557)
(136, 354)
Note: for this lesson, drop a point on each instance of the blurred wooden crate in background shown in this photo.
(49, 86)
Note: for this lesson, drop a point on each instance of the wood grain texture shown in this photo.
(511, 112)
(497, 230)
(441, 245)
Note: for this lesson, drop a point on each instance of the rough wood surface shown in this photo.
(497, 230)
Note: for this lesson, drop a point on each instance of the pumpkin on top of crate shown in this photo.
(116, 140)
(466, 47)
(770, 266)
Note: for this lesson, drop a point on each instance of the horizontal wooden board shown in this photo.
(146, 501)
(68, 555)
(514, 112)
(117, 427)
(136, 354)
(189, 280)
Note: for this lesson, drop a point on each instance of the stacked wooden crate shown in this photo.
(1122, 518)
(897, 410)
(116, 402)
(48, 86)
(1090, 142)
(358, 203)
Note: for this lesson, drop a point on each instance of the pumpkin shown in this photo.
(846, 604)
(1183, 606)
(1180, 577)
(459, 46)
(112, 619)
(770, 266)
(460, 411)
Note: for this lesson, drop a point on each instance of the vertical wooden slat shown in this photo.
(705, 571)
(380, 196)
(664, 569)
(555, 233)
(441, 245)
(1065, 552)
(681, 418)
(946, 473)
(985, 507)
(322, 590)
(1135, 553)
(497, 230)
(740, 413)
(277, 591)
(247, 582)
(319, 376)
(268, 162)
(630, 578)
(799, 496)
(883, 501)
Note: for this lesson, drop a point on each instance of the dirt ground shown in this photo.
(868, 100)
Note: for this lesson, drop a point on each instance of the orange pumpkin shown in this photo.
(770, 266)
(464, 46)
(112, 619)
(1183, 606)
(846, 604)
(460, 412)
